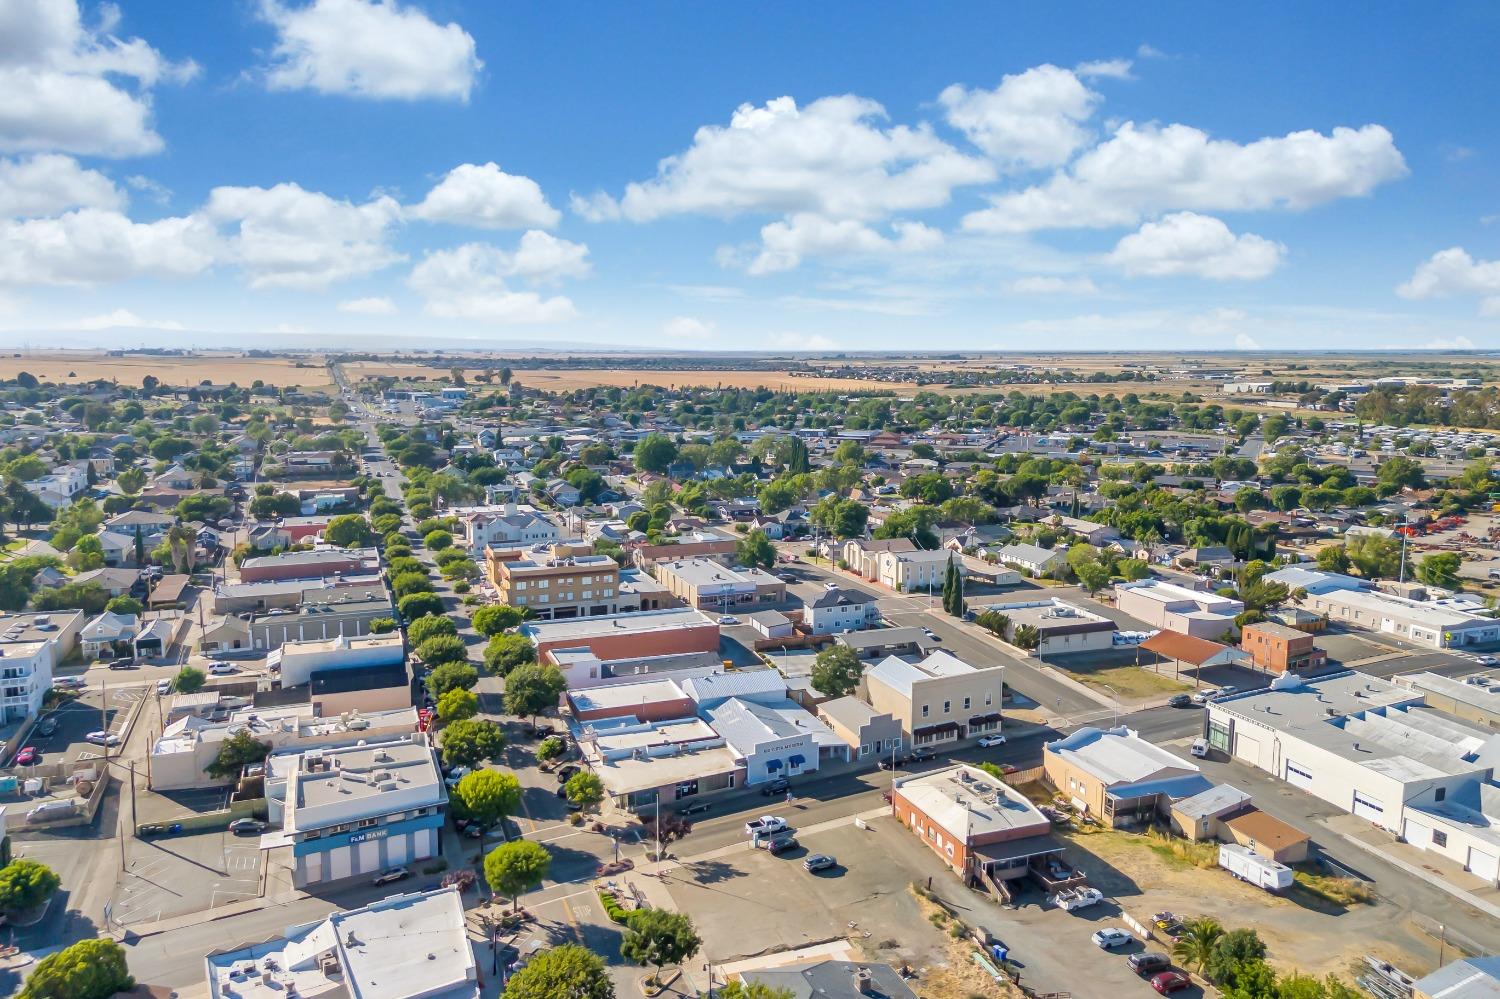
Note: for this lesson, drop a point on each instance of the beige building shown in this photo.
(938, 700)
(711, 586)
(558, 585)
(1119, 778)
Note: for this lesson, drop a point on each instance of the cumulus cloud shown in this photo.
(288, 237)
(1114, 69)
(1186, 243)
(1032, 119)
(784, 244)
(1453, 272)
(379, 49)
(50, 184)
(122, 319)
(833, 158)
(76, 88)
(368, 306)
(473, 281)
(1146, 169)
(801, 341)
(486, 197)
(1046, 284)
(95, 246)
(687, 328)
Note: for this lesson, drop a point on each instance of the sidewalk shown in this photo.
(1435, 870)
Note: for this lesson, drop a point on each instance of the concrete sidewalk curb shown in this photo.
(1489, 908)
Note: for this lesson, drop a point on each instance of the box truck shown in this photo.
(1247, 865)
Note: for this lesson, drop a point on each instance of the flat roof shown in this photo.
(1055, 616)
(318, 646)
(625, 695)
(1116, 756)
(361, 781)
(1167, 592)
(583, 628)
(966, 799)
(42, 626)
(706, 572)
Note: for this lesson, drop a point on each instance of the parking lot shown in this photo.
(174, 875)
(94, 710)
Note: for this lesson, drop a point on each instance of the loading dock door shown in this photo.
(1484, 865)
(1367, 808)
(1416, 834)
(1247, 748)
(1298, 776)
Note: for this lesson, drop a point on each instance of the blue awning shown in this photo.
(797, 760)
(773, 764)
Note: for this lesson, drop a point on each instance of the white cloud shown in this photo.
(1146, 169)
(50, 184)
(157, 192)
(74, 88)
(831, 158)
(687, 328)
(368, 306)
(287, 237)
(473, 281)
(785, 243)
(1448, 343)
(1186, 243)
(378, 49)
(1045, 284)
(1244, 341)
(486, 197)
(1147, 51)
(93, 246)
(801, 341)
(1453, 272)
(1114, 69)
(1032, 119)
(122, 319)
(709, 292)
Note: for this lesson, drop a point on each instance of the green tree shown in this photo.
(349, 531)
(441, 649)
(551, 748)
(131, 481)
(451, 676)
(515, 868)
(405, 584)
(755, 549)
(658, 937)
(655, 453)
(1441, 569)
(506, 651)
(237, 752)
(1374, 556)
(438, 540)
(1026, 636)
(25, 885)
(471, 741)
(424, 628)
(456, 705)
(740, 989)
(492, 619)
(836, 671)
(584, 789)
(415, 605)
(385, 625)
(567, 971)
(1195, 947)
(532, 688)
(88, 969)
(487, 796)
(1333, 558)
(189, 680)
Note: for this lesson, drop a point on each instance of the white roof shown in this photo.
(966, 801)
(1117, 756)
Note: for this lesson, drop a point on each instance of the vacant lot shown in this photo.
(69, 367)
(1132, 682)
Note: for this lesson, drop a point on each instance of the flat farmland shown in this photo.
(569, 379)
(67, 367)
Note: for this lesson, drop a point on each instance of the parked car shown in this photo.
(991, 740)
(247, 827)
(1111, 937)
(1199, 748)
(164, 686)
(46, 727)
(223, 669)
(886, 763)
(779, 844)
(695, 808)
(122, 664)
(391, 876)
(778, 786)
(1203, 696)
(1226, 691)
(765, 825)
(27, 756)
(1149, 963)
(921, 756)
(1180, 701)
(1074, 899)
(1170, 981)
(819, 862)
(566, 773)
(69, 682)
(102, 738)
(729, 619)
(931, 635)
(1487, 660)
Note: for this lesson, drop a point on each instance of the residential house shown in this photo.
(838, 609)
(1031, 559)
(1118, 778)
(108, 633)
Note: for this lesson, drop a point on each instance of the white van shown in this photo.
(1200, 748)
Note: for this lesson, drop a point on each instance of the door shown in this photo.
(1298, 776)
(1367, 808)
(369, 856)
(395, 848)
(1416, 834)
(1247, 748)
(338, 862)
(1484, 865)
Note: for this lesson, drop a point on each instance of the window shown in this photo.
(1439, 838)
(947, 707)
(989, 698)
(1439, 794)
(966, 704)
(925, 711)
(366, 823)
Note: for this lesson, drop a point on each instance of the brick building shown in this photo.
(1278, 648)
(628, 636)
(977, 824)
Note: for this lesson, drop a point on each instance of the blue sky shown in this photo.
(766, 176)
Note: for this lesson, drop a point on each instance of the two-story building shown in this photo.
(940, 699)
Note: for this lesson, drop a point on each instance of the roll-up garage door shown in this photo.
(1416, 833)
(1367, 808)
(1247, 748)
(1298, 776)
(1484, 865)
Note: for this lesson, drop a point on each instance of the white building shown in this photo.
(1437, 624)
(1171, 607)
(31, 647)
(1372, 749)
(298, 660)
(772, 740)
(100, 636)
(1034, 559)
(505, 525)
(404, 947)
(911, 572)
(838, 610)
(356, 810)
(61, 486)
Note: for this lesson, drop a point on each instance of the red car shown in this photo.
(1170, 981)
(26, 757)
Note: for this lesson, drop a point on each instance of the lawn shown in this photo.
(1130, 682)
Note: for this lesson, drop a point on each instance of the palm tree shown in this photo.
(1196, 945)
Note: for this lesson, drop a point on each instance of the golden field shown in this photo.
(80, 366)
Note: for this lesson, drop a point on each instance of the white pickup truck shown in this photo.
(765, 825)
(1073, 899)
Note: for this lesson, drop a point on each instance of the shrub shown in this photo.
(612, 907)
(424, 628)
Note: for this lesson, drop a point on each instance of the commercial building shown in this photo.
(865, 732)
(558, 586)
(297, 661)
(675, 631)
(331, 613)
(346, 673)
(1438, 624)
(1473, 698)
(31, 648)
(1031, 559)
(404, 947)
(1277, 648)
(980, 826)
(318, 563)
(713, 547)
(914, 571)
(708, 585)
(1117, 777)
(282, 594)
(654, 699)
(1171, 607)
(1468, 978)
(1063, 628)
(356, 810)
(772, 740)
(643, 764)
(940, 699)
(861, 555)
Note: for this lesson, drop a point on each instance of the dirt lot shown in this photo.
(82, 366)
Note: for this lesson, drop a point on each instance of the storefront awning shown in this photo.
(797, 759)
(773, 764)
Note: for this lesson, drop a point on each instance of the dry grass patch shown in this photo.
(959, 976)
(1131, 681)
(1346, 892)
